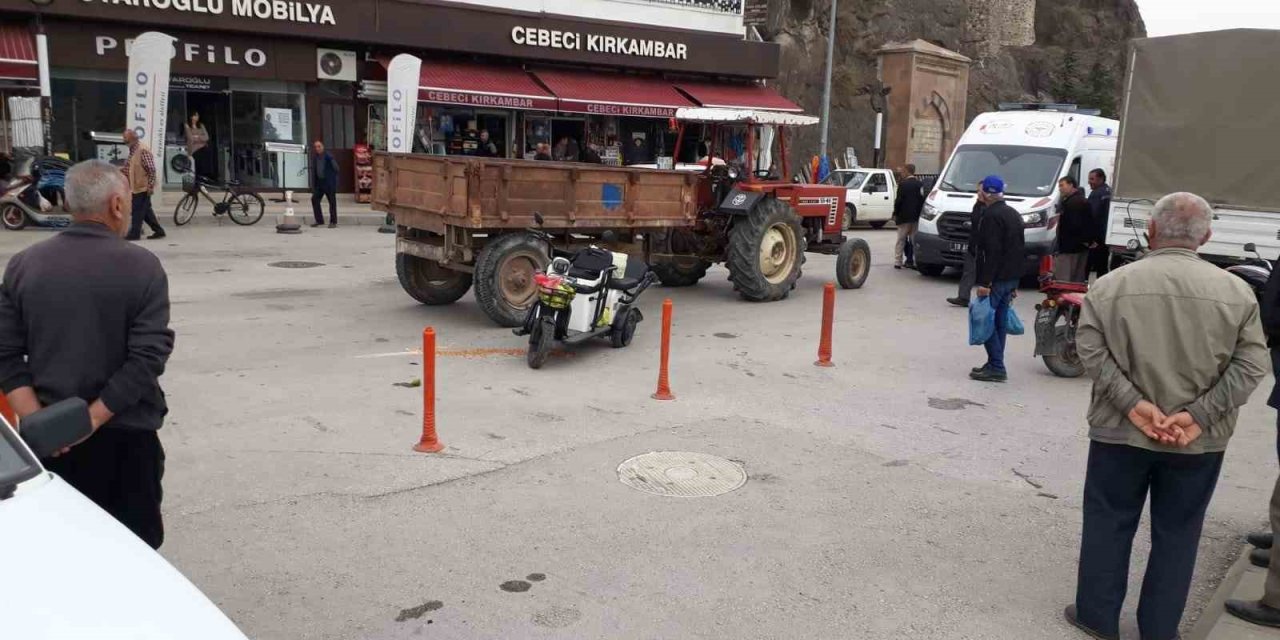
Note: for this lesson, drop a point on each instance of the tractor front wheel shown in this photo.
(766, 251)
(504, 276)
(853, 263)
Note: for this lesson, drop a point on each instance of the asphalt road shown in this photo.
(889, 497)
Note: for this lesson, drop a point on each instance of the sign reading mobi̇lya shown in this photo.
(275, 10)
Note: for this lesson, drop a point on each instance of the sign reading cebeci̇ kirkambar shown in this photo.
(275, 10)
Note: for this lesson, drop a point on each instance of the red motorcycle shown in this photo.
(1057, 318)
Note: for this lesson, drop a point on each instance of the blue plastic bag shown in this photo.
(982, 320)
(1013, 324)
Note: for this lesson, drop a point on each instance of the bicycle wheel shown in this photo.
(246, 208)
(186, 209)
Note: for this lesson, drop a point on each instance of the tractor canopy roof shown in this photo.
(744, 116)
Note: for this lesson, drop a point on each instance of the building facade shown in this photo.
(265, 77)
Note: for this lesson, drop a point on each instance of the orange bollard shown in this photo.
(664, 381)
(828, 317)
(430, 443)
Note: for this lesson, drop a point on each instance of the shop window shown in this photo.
(338, 125)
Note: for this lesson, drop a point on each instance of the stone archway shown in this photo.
(930, 135)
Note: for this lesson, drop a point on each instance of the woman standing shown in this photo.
(198, 148)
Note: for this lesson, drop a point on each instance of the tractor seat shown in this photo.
(1076, 299)
(624, 284)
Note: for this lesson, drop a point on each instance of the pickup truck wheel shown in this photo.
(878, 224)
(850, 216)
(682, 272)
(853, 263)
(765, 252)
(428, 282)
(504, 276)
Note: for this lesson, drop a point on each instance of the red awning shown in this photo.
(480, 85)
(737, 96)
(17, 53)
(613, 94)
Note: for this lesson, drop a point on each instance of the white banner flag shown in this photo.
(402, 102)
(148, 97)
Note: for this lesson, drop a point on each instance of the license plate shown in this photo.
(960, 246)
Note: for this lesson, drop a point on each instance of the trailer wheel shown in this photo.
(504, 276)
(428, 282)
(853, 263)
(766, 252)
(683, 272)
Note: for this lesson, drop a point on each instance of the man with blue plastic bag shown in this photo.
(1001, 260)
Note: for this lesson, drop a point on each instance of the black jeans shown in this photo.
(143, 212)
(1116, 485)
(332, 195)
(120, 470)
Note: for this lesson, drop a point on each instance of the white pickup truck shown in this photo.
(869, 195)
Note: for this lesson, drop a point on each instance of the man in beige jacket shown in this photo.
(140, 171)
(1174, 347)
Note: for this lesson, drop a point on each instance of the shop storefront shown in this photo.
(237, 105)
(251, 88)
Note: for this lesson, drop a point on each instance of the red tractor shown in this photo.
(755, 220)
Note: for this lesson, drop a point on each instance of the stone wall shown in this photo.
(1020, 59)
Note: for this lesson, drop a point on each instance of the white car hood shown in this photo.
(72, 571)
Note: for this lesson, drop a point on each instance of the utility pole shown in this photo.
(826, 87)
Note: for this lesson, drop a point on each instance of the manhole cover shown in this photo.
(681, 474)
(296, 264)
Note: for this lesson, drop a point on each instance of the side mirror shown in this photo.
(537, 217)
(609, 236)
(57, 427)
(1250, 248)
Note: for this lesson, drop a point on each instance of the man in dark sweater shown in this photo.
(1100, 208)
(324, 175)
(1000, 262)
(86, 314)
(1075, 233)
(906, 215)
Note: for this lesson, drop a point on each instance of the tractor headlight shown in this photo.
(1034, 219)
(734, 174)
(930, 212)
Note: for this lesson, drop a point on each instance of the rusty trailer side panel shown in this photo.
(432, 192)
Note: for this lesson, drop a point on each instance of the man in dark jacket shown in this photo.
(1075, 233)
(94, 327)
(324, 174)
(1000, 262)
(906, 214)
(1100, 208)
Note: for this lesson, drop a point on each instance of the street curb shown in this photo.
(1213, 610)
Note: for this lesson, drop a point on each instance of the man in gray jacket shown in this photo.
(1174, 347)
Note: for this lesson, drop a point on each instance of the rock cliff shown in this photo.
(1023, 50)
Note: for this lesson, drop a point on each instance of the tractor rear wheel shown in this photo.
(681, 272)
(504, 276)
(766, 251)
(428, 282)
(853, 263)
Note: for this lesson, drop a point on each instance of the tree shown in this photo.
(1101, 89)
(1064, 86)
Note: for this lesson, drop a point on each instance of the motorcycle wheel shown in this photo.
(624, 331)
(13, 217)
(540, 340)
(1068, 363)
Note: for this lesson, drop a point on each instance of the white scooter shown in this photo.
(22, 203)
(589, 295)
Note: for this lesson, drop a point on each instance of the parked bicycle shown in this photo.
(244, 207)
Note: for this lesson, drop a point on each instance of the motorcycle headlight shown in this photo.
(1034, 219)
(930, 212)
